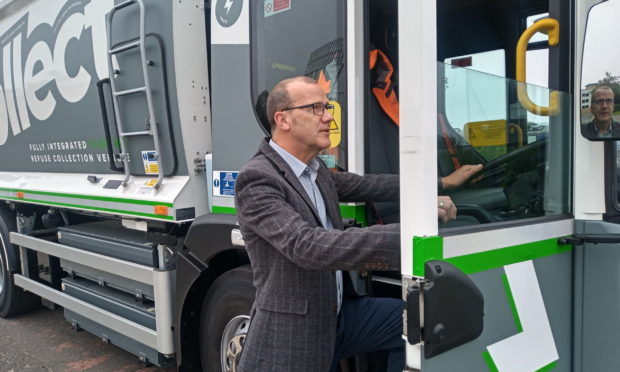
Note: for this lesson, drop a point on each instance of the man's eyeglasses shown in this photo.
(318, 109)
(600, 101)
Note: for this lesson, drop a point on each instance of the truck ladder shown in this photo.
(151, 121)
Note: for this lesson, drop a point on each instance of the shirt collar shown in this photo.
(606, 134)
(296, 165)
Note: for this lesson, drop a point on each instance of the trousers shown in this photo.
(368, 324)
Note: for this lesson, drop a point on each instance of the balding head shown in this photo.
(280, 98)
(600, 88)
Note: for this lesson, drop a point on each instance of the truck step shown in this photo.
(114, 301)
(110, 238)
(125, 47)
(135, 134)
(130, 91)
(134, 288)
(145, 353)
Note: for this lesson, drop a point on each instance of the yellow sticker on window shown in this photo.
(486, 133)
(335, 130)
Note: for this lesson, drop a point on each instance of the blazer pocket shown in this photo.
(282, 304)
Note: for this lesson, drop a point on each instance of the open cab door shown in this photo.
(493, 288)
(597, 201)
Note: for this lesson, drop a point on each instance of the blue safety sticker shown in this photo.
(224, 183)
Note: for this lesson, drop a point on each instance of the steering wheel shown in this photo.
(475, 211)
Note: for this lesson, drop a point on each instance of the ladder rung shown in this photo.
(125, 47)
(124, 4)
(130, 91)
(134, 134)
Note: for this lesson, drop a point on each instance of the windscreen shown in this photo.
(292, 38)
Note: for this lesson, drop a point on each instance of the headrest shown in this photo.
(261, 112)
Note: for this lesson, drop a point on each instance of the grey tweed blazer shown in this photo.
(293, 258)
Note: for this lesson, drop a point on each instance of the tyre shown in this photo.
(13, 300)
(224, 319)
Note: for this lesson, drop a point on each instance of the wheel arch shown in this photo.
(208, 252)
(7, 221)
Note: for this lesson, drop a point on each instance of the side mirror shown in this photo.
(600, 75)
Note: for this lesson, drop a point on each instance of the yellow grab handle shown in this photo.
(516, 128)
(551, 27)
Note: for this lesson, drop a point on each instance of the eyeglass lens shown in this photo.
(319, 109)
(608, 101)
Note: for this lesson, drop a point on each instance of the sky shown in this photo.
(601, 49)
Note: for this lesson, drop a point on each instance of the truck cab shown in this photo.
(124, 123)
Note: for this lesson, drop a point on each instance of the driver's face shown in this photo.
(310, 132)
(602, 106)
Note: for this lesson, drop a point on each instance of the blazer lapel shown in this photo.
(330, 196)
(288, 175)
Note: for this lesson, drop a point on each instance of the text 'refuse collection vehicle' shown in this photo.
(123, 125)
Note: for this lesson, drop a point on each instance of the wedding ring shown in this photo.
(441, 204)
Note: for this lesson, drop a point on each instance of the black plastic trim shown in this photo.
(212, 228)
(7, 225)
(591, 238)
(453, 308)
(208, 237)
(106, 124)
(413, 315)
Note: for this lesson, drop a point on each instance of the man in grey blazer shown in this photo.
(603, 124)
(288, 208)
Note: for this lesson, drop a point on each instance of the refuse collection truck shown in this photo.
(123, 124)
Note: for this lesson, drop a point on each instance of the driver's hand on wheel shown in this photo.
(460, 176)
(446, 209)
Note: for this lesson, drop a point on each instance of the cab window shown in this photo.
(486, 117)
(482, 118)
(291, 38)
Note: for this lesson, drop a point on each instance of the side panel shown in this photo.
(516, 324)
(52, 140)
(236, 132)
(53, 54)
(597, 315)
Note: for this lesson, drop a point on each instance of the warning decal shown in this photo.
(486, 133)
(224, 183)
(335, 131)
(276, 6)
(149, 159)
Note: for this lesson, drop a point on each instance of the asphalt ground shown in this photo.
(44, 341)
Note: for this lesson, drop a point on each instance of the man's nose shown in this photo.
(327, 117)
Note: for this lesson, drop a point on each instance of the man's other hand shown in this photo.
(460, 176)
(446, 209)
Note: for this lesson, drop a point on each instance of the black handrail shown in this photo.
(106, 125)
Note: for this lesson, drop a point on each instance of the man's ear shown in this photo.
(282, 121)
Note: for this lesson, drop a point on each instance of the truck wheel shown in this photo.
(13, 300)
(225, 319)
